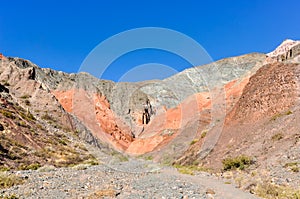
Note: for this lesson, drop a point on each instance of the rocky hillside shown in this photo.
(245, 106)
(35, 130)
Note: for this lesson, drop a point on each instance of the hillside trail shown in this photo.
(121, 177)
(162, 173)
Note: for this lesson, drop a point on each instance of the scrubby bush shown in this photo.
(240, 162)
(7, 114)
(194, 141)
(203, 134)
(277, 137)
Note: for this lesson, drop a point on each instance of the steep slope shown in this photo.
(34, 128)
(271, 95)
(263, 125)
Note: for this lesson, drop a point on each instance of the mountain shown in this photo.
(246, 105)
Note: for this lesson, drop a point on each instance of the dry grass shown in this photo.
(293, 166)
(9, 180)
(103, 193)
(275, 117)
(272, 191)
(33, 166)
(277, 137)
(190, 169)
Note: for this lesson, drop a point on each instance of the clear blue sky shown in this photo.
(60, 34)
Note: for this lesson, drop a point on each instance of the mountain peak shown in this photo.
(284, 47)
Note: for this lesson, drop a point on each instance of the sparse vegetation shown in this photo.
(4, 168)
(9, 180)
(194, 141)
(25, 96)
(295, 169)
(33, 166)
(27, 116)
(149, 157)
(167, 160)
(240, 162)
(62, 141)
(203, 134)
(6, 83)
(13, 196)
(276, 116)
(47, 117)
(92, 162)
(120, 156)
(293, 166)
(22, 123)
(272, 191)
(27, 102)
(190, 169)
(277, 137)
(7, 114)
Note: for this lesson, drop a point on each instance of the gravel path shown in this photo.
(112, 181)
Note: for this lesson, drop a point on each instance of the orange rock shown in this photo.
(94, 111)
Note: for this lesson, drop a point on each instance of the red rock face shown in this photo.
(157, 132)
(65, 98)
(1, 56)
(94, 111)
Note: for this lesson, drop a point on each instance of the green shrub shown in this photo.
(7, 114)
(22, 123)
(203, 134)
(62, 141)
(240, 162)
(27, 116)
(149, 157)
(194, 141)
